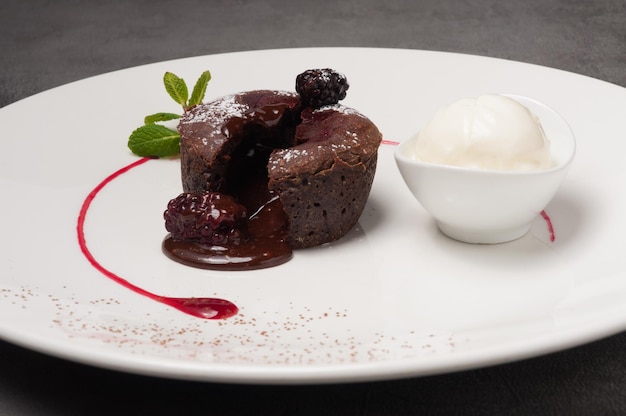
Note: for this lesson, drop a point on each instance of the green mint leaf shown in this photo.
(197, 95)
(154, 140)
(176, 88)
(153, 118)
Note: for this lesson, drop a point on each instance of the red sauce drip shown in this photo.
(548, 221)
(206, 308)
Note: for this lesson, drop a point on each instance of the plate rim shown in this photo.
(306, 376)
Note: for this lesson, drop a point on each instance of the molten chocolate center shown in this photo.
(260, 132)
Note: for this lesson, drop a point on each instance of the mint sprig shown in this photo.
(155, 118)
(176, 88)
(156, 140)
(197, 95)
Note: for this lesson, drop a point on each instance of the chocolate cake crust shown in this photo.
(325, 179)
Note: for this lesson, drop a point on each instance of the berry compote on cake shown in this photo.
(266, 171)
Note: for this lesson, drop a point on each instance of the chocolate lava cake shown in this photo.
(262, 145)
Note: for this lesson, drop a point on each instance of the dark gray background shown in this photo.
(44, 44)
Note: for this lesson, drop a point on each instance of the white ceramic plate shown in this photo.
(394, 298)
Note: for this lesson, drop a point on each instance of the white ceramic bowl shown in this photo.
(489, 206)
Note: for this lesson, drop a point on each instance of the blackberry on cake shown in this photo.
(320, 87)
(208, 218)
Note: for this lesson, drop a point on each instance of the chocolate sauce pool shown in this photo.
(265, 245)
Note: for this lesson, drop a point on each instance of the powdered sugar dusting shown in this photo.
(284, 156)
(216, 112)
(340, 109)
(223, 107)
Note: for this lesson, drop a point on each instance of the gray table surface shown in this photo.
(44, 44)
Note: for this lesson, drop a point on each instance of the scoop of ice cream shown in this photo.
(488, 132)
